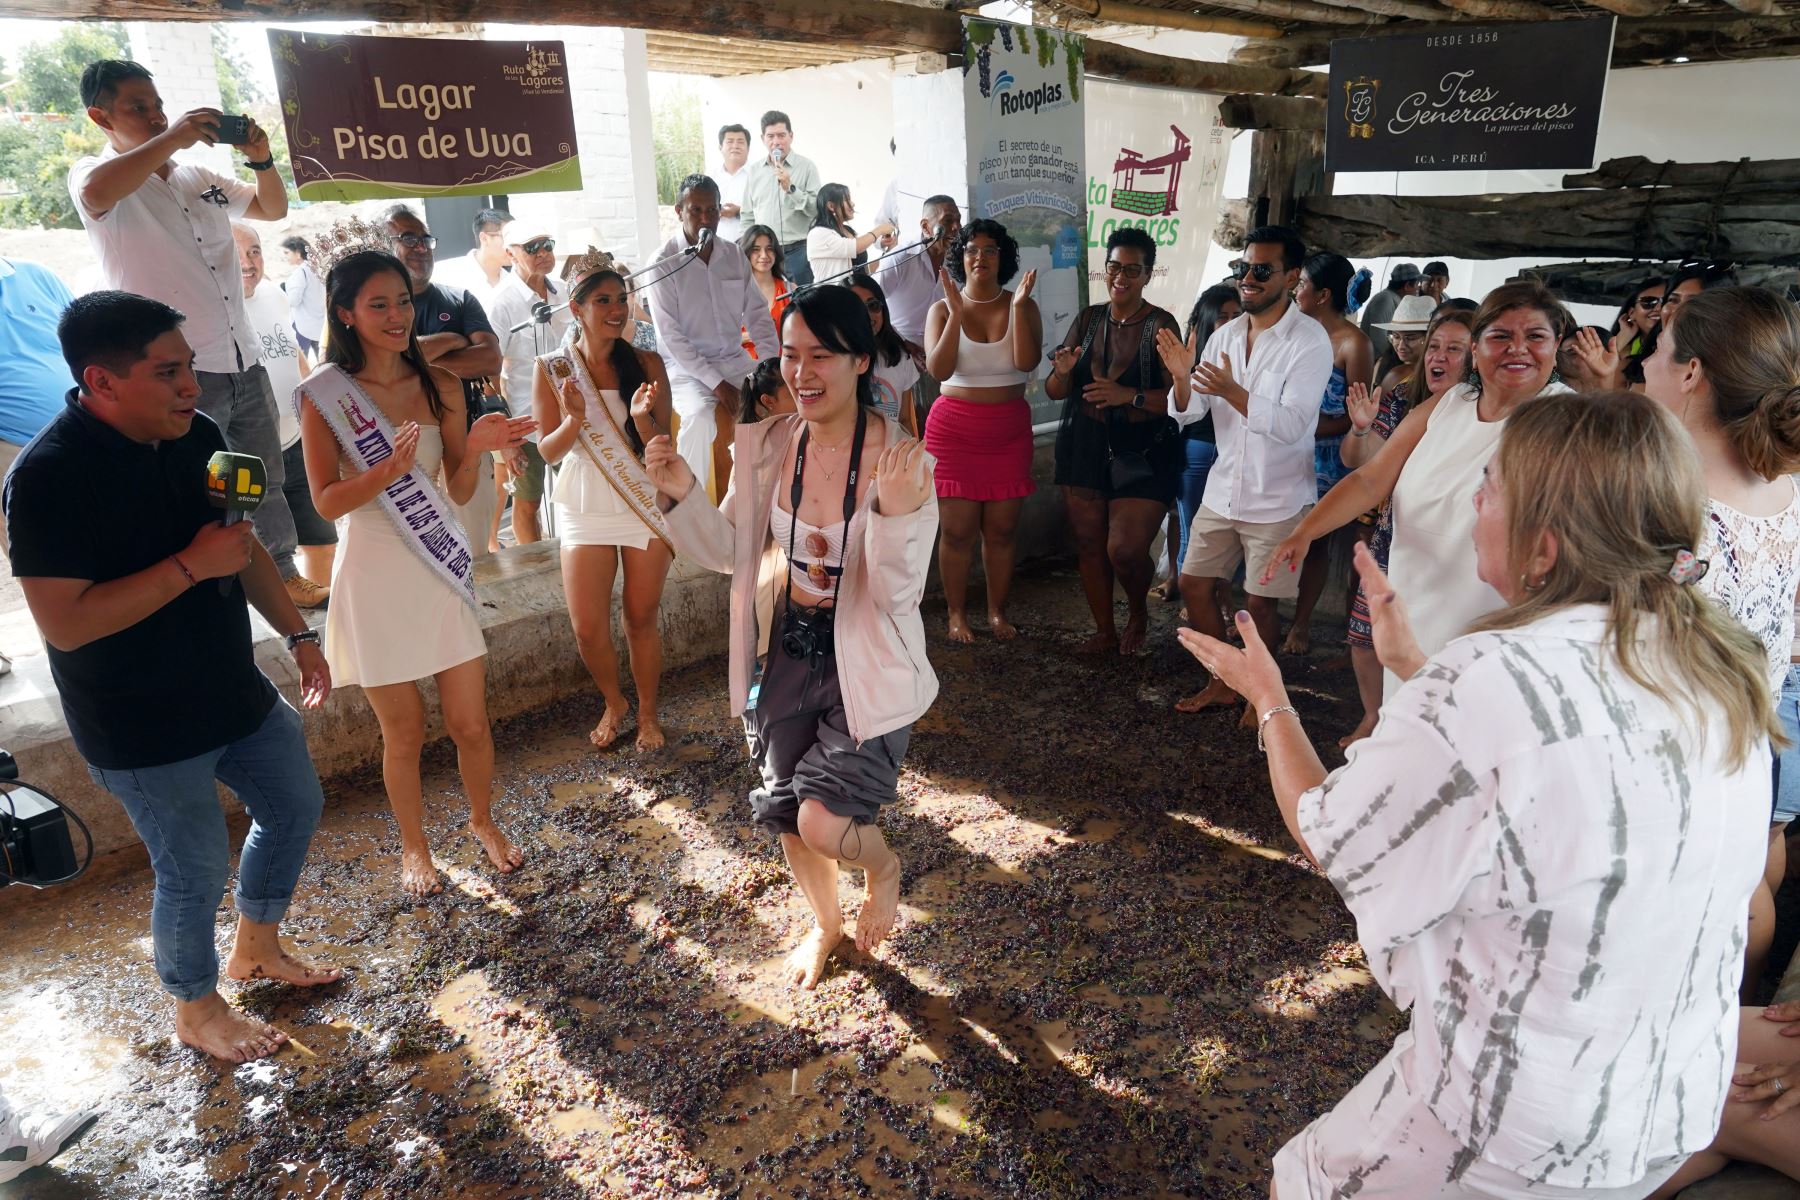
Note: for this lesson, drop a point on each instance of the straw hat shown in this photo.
(1411, 315)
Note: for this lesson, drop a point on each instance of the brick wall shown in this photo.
(180, 55)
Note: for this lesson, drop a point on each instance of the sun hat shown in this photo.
(1411, 315)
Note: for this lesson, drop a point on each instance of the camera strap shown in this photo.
(794, 493)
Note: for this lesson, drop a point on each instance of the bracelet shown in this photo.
(264, 165)
(1264, 720)
(1362, 432)
(182, 567)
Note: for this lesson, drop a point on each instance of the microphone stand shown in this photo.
(542, 312)
(922, 243)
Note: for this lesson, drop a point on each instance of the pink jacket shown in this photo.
(883, 673)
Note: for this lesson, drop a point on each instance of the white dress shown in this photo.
(589, 509)
(392, 619)
(1432, 562)
(1754, 569)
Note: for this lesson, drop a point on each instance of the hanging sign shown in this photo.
(378, 117)
(1022, 114)
(1509, 97)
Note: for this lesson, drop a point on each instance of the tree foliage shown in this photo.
(675, 135)
(49, 78)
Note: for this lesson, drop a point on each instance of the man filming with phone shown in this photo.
(162, 229)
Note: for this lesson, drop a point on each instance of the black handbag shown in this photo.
(1127, 469)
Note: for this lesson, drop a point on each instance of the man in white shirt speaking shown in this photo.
(704, 299)
(1262, 377)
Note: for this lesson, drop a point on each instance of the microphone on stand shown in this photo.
(237, 483)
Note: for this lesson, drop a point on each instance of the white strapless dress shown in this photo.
(392, 619)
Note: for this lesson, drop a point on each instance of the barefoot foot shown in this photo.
(1002, 629)
(1249, 720)
(807, 962)
(1212, 695)
(650, 735)
(1100, 643)
(881, 901)
(418, 874)
(505, 856)
(1298, 640)
(216, 1028)
(1166, 590)
(281, 967)
(1363, 729)
(960, 631)
(607, 731)
(1132, 640)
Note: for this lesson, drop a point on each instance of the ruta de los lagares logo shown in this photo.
(1359, 106)
(541, 73)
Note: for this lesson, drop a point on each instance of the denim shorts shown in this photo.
(1787, 763)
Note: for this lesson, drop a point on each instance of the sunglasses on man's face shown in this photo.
(539, 246)
(412, 241)
(1257, 271)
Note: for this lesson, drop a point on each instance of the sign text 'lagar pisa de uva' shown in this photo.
(374, 117)
(1484, 97)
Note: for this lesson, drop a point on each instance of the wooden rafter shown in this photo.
(1637, 171)
(1122, 13)
(1633, 8)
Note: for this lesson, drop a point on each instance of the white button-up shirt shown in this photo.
(1550, 866)
(911, 285)
(171, 240)
(513, 303)
(701, 309)
(1265, 471)
(731, 191)
(466, 272)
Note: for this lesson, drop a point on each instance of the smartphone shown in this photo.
(234, 131)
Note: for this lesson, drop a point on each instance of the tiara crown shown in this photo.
(595, 259)
(352, 236)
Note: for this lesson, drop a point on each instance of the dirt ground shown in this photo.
(1113, 976)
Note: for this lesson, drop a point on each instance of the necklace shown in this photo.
(989, 300)
(1135, 317)
(827, 472)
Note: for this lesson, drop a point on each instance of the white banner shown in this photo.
(1156, 159)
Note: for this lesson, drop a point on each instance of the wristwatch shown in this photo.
(1137, 401)
(264, 165)
(305, 635)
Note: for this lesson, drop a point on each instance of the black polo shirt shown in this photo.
(83, 501)
(441, 309)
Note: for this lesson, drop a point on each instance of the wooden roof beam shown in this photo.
(1122, 13)
(1633, 8)
(1272, 112)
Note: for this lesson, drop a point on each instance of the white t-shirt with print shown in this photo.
(272, 325)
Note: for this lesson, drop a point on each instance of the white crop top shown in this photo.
(985, 364)
(817, 551)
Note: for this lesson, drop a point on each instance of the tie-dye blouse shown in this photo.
(1552, 872)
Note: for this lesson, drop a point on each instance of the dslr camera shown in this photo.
(806, 632)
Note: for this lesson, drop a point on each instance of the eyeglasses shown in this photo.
(1649, 303)
(981, 252)
(1259, 271)
(1128, 270)
(872, 304)
(539, 246)
(412, 241)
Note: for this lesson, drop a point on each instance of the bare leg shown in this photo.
(401, 711)
(1087, 525)
(999, 524)
(1742, 1133)
(257, 953)
(213, 1026)
(1201, 595)
(315, 562)
(525, 521)
(817, 876)
(841, 839)
(588, 573)
(959, 524)
(645, 571)
(1170, 588)
(1131, 527)
(1368, 689)
(501, 473)
(1312, 585)
(462, 690)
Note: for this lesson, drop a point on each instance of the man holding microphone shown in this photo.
(140, 593)
(781, 193)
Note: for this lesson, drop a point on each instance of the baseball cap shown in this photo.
(1404, 273)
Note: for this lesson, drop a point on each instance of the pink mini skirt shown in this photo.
(983, 451)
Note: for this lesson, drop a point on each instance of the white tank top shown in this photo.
(986, 364)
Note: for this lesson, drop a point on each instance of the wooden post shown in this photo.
(1285, 164)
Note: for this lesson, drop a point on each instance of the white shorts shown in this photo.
(1382, 1143)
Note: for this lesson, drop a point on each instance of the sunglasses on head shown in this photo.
(539, 245)
(1258, 271)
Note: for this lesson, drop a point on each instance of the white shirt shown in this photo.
(829, 253)
(1753, 567)
(520, 351)
(731, 191)
(171, 240)
(1552, 872)
(466, 273)
(701, 308)
(1265, 471)
(272, 323)
(893, 383)
(306, 297)
(911, 285)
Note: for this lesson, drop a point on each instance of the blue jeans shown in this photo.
(175, 809)
(1200, 459)
(1787, 763)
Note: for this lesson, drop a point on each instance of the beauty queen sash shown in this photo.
(605, 445)
(421, 515)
